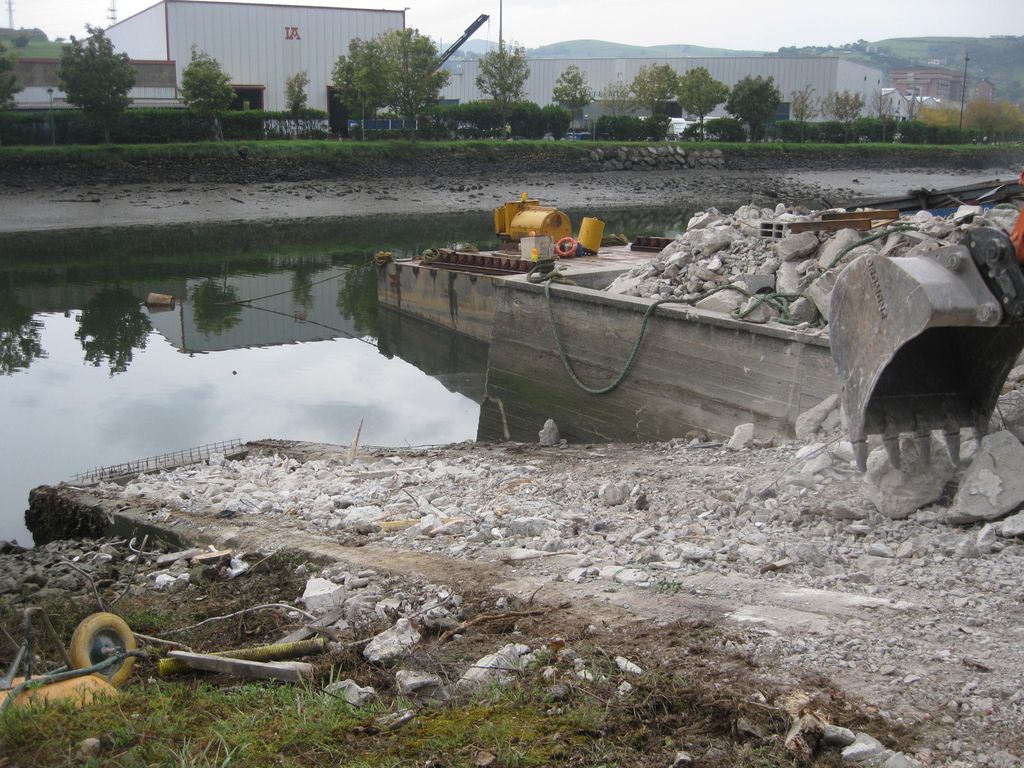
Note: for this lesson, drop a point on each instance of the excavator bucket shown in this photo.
(925, 343)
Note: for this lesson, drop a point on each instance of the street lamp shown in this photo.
(53, 127)
(963, 95)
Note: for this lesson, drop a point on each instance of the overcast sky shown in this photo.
(743, 24)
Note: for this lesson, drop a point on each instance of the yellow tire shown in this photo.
(95, 638)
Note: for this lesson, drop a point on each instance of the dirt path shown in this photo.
(58, 208)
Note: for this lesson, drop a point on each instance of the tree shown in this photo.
(206, 89)
(843, 107)
(502, 76)
(753, 100)
(803, 107)
(653, 86)
(8, 82)
(295, 93)
(617, 99)
(882, 108)
(699, 93)
(96, 79)
(572, 92)
(415, 78)
(994, 119)
(361, 79)
(295, 96)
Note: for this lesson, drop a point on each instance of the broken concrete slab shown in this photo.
(323, 595)
(392, 644)
(810, 421)
(797, 247)
(497, 668)
(898, 493)
(993, 484)
(352, 692)
(742, 437)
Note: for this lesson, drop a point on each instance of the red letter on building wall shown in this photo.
(291, 33)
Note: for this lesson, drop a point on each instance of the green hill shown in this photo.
(601, 49)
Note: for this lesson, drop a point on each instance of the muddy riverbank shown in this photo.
(44, 207)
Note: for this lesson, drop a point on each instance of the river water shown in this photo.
(276, 334)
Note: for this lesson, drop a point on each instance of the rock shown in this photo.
(421, 686)
(787, 279)
(88, 749)
(623, 575)
(352, 692)
(613, 494)
(549, 434)
(831, 248)
(323, 595)
(496, 668)
(993, 484)
(627, 666)
(797, 247)
(392, 644)
(742, 437)
(693, 552)
(836, 736)
(682, 758)
(803, 310)
(985, 541)
(865, 748)
(756, 310)
(725, 301)
(810, 421)
(898, 493)
(1012, 526)
(820, 292)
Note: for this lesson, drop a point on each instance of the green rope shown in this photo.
(545, 272)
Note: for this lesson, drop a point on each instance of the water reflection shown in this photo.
(20, 341)
(276, 333)
(111, 327)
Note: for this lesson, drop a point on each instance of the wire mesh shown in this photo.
(155, 463)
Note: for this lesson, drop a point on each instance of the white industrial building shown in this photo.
(824, 74)
(259, 46)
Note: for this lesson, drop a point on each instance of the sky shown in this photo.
(741, 24)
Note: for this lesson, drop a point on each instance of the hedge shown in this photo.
(155, 126)
(629, 128)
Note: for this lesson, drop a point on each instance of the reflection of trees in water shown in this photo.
(20, 341)
(357, 297)
(302, 283)
(213, 307)
(112, 325)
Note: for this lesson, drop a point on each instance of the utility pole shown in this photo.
(501, 20)
(963, 96)
(10, 14)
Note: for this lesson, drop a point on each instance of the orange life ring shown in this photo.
(570, 251)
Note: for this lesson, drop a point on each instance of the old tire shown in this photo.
(98, 635)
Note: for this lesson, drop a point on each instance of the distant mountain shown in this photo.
(600, 49)
(1000, 60)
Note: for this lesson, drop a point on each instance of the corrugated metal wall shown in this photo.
(823, 74)
(142, 36)
(264, 45)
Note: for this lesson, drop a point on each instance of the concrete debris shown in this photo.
(898, 493)
(352, 692)
(322, 595)
(421, 686)
(497, 668)
(627, 666)
(1013, 526)
(993, 484)
(809, 422)
(742, 437)
(720, 250)
(392, 644)
(549, 434)
(613, 494)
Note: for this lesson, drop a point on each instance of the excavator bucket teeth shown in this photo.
(923, 343)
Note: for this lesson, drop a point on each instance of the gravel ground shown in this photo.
(921, 618)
